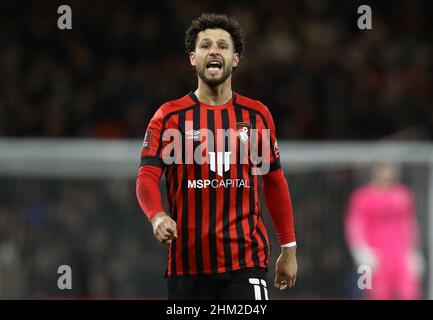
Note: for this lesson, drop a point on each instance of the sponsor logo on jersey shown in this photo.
(215, 183)
(219, 162)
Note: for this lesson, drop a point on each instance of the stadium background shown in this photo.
(323, 79)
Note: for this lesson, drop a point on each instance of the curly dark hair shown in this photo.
(214, 21)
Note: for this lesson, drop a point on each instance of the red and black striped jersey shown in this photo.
(211, 156)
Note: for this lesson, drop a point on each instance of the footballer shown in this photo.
(218, 150)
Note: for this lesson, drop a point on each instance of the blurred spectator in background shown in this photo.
(382, 233)
(323, 77)
(12, 272)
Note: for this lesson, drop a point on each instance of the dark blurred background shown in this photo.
(322, 78)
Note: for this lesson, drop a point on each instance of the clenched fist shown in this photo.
(286, 269)
(164, 228)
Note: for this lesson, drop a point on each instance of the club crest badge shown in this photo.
(243, 131)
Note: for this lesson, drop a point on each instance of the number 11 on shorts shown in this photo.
(258, 284)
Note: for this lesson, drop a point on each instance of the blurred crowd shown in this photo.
(94, 227)
(321, 76)
(97, 228)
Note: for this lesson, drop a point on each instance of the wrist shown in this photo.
(289, 244)
(291, 251)
(157, 218)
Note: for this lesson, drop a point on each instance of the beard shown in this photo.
(214, 81)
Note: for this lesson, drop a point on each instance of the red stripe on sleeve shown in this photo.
(147, 190)
(277, 197)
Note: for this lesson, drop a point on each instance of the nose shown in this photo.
(214, 50)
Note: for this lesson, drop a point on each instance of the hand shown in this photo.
(164, 227)
(286, 269)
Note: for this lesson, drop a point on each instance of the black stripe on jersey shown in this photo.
(275, 165)
(184, 186)
(262, 236)
(212, 204)
(169, 173)
(226, 208)
(253, 200)
(173, 173)
(259, 217)
(164, 122)
(194, 98)
(239, 198)
(153, 161)
(198, 198)
(259, 232)
(276, 162)
(234, 97)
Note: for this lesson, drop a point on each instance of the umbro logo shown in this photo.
(193, 135)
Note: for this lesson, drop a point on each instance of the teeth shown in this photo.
(214, 64)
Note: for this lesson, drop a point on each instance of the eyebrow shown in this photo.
(219, 40)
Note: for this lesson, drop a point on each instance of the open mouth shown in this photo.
(214, 66)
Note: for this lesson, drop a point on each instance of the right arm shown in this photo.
(147, 183)
(149, 198)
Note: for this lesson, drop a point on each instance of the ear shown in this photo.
(236, 59)
(192, 59)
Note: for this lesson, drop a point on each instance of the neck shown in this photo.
(214, 95)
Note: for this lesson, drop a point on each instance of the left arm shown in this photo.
(277, 197)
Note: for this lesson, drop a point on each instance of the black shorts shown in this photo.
(244, 284)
